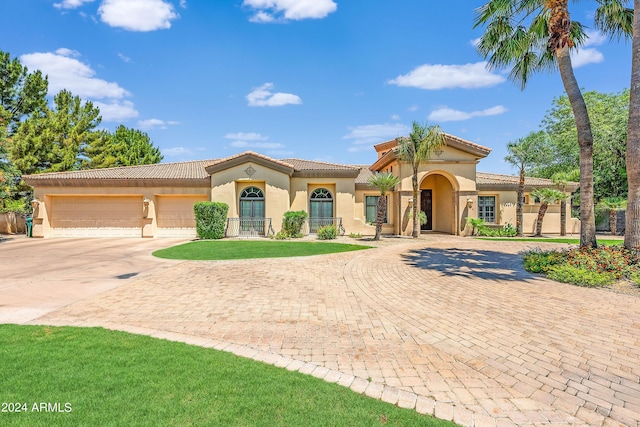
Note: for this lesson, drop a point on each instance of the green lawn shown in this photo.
(606, 242)
(98, 377)
(245, 249)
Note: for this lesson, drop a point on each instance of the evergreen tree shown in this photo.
(125, 147)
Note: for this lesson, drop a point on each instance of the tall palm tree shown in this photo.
(632, 226)
(613, 205)
(417, 148)
(562, 179)
(523, 153)
(383, 182)
(533, 35)
(546, 196)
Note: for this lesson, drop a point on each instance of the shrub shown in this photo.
(292, 223)
(616, 260)
(475, 223)
(355, 235)
(327, 232)
(507, 230)
(211, 219)
(281, 235)
(539, 261)
(567, 273)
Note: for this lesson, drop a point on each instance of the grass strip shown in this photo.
(112, 378)
(246, 249)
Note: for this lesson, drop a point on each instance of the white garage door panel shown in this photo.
(175, 215)
(96, 216)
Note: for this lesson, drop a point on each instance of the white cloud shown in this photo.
(594, 38)
(176, 151)
(265, 145)
(69, 73)
(395, 117)
(586, 56)
(475, 42)
(250, 140)
(183, 4)
(446, 114)
(246, 136)
(137, 15)
(70, 4)
(283, 10)
(123, 57)
(367, 135)
(155, 124)
(434, 77)
(117, 111)
(413, 108)
(263, 97)
(64, 71)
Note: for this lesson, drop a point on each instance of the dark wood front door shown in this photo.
(426, 206)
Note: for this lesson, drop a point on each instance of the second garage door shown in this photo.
(96, 216)
(175, 215)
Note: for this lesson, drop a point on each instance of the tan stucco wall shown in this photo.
(227, 185)
(506, 213)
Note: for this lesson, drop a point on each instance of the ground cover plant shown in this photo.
(586, 266)
(93, 376)
(604, 242)
(246, 249)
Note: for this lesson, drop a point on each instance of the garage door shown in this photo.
(96, 216)
(174, 215)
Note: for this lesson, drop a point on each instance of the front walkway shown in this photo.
(450, 326)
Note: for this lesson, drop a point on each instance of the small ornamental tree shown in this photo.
(546, 196)
(292, 223)
(211, 218)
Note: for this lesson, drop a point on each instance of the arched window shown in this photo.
(252, 203)
(320, 209)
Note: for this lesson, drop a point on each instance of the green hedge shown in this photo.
(211, 219)
(292, 223)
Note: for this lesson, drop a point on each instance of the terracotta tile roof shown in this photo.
(365, 174)
(485, 179)
(178, 170)
(306, 165)
(451, 140)
(251, 153)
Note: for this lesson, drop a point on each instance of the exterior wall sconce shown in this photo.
(438, 152)
(470, 203)
(410, 201)
(35, 203)
(145, 208)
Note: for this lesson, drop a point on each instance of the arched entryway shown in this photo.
(437, 201)
(320, 209)
(252, 211)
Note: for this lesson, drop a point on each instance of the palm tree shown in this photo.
(384, 182)
(523, 153)
(417, 148)
(562, 179)
(546, 196)
(632, 226)
(545, 43)
(613, 205)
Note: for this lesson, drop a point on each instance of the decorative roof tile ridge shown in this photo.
(249, 153)
(319, 162)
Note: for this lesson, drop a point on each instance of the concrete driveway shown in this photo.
(38, 276)
(448, 326)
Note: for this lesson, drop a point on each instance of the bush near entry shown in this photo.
(211, 219)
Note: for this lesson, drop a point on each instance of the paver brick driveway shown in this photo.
(450, 326)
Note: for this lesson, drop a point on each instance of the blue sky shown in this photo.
(312, 79)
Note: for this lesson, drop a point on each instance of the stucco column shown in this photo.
(149, 224)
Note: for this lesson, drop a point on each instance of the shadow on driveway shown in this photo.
(470, 263)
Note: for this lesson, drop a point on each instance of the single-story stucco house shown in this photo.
(157, 200)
